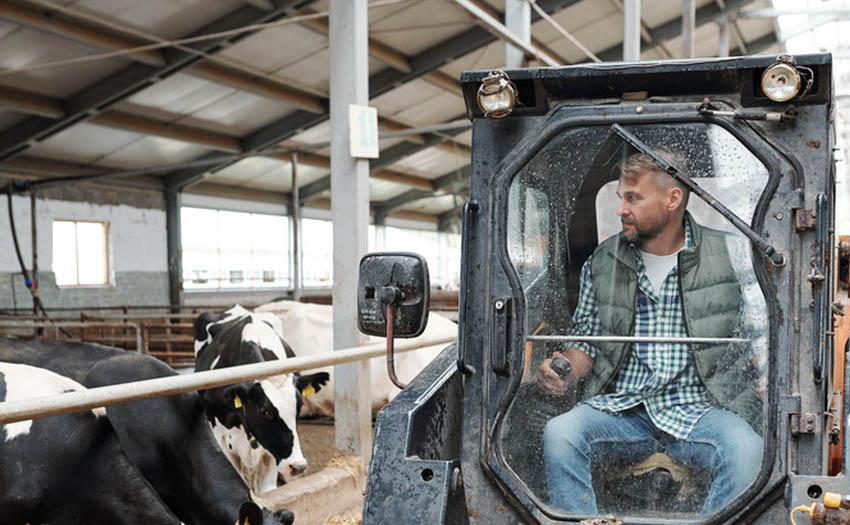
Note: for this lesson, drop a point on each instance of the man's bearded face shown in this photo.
(642, 208)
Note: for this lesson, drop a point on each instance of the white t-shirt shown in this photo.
(658, 267)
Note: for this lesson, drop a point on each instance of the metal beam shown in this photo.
(77, 29)
(265, 5)
(258, 85)
(34, 104)
(673, 28)
(383, 208)
(645, 33)
(422, 64)
(228, 75)
(175, 252)
(310, 191)
(81, 29)
(388, 157)
(349, 67)
(498, 15)
(455, 181)
(172, 130)
(725, 28)
(295, 230)
(403, 178)
(405, 149)
(517, 21)
(133, 78)
(378, 50)
(446, 217)
(810, 11)
(631, 31)
(754, 47)
(689, 8)
(497, 28)
(739, 36)
(30, 103)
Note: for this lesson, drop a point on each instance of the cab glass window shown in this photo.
(662, 355)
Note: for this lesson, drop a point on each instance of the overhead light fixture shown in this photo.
(497, 95)
(781, 81)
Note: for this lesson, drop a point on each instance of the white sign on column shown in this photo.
(363, 131)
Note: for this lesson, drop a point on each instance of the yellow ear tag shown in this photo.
(237, 402)
(308, 391)
(246, 522)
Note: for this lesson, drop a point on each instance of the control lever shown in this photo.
(561, 366)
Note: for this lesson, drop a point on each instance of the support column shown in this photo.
(518, 21)
(34, 233)
(349, 83)
(631, 31)
(295, 214)
(689, 16)
(175, 253)
(723, 42)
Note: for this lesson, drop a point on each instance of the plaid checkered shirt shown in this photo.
(662, 376)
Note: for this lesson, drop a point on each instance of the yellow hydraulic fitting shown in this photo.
(835, 510)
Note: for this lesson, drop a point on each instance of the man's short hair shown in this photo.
(638, 163)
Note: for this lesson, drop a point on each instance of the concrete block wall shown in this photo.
(136, 245)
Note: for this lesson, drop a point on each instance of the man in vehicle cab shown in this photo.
(665, 276)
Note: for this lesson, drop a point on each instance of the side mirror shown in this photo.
(398, 279)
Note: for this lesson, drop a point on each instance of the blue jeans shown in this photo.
(721, 442)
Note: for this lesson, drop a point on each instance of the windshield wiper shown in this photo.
(775, 257)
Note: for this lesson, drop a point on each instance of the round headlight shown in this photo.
(781, 81)
(497, 95)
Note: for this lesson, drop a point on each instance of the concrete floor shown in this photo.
(317, 443)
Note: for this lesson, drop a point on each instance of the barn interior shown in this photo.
(170, 157)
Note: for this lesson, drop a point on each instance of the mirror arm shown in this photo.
(389, 295)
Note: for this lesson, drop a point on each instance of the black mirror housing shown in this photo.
(393, 278)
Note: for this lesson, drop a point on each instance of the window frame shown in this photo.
(107, 267)
(225, 275)
(501, 391)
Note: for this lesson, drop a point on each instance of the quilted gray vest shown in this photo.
(711, 299)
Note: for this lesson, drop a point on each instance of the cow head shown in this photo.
(258, 414)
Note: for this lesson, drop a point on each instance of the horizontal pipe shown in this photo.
(633, 339)
(65, 403)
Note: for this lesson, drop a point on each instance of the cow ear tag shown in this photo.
(308, 391)
(237, 403)
(247, 521)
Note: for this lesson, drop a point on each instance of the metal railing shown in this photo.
(167, 337)
(20, 410)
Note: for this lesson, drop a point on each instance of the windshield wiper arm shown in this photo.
(775, 257)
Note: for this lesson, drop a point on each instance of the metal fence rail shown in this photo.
(166, 337)
(9, 326)
(20, 410)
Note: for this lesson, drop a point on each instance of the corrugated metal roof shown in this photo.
(255, 85)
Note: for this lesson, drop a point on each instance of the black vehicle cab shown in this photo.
(463, 443)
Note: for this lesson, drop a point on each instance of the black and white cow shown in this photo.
(67, 469)
(253, 422)
(167, 438)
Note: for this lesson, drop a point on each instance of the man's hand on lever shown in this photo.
(548, 376)
(559, 373)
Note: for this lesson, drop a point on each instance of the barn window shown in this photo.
(80, 253)
(317, 253)
(230, 249)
